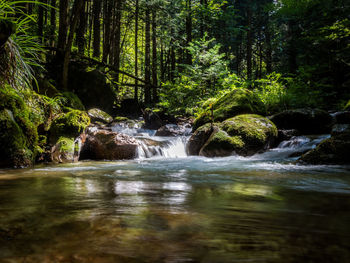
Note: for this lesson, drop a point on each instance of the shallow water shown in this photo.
(174, 208)
(188, 209)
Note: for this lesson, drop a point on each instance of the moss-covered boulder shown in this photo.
(69, 124)
(65, 151)
(97, 115)
(335, 150)
(244, 135)
(18, 134)
(307, 121)
(236, 102)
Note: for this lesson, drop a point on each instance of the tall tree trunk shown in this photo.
(117, 43)
(96, 11)
(154, 55)
(136, 49)
(63, 25)
(172, 64)
(40, 21)
(268, 53)
(148, 56)
(77, 8)
(107, 11)
(249, 41)
(52, 22)
(188, 31)
(81, 31)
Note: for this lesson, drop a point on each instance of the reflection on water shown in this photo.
(180, 210)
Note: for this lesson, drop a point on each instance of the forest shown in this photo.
(174, 131)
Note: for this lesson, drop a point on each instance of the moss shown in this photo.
(18, 132)
(69, 124)
(65, 144)
(253, 129)
(238, 101)
(120, 119)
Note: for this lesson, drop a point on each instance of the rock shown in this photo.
(18, 135)
(107, 145)
(335, 150)
(307, 121)
(65, 151)
(238, 101)
(70, 124)
(129, 107)
(340, 128)
(99, 115)
(152, 120)
(172, 130)
(244, 135)
(342, 117)
(286, 135)
(199, 138)
(90, 85)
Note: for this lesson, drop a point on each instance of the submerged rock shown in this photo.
(244, 135)
(238, 101)
(172, 130)
(66, 150)
(107, 145)
(335, 150)
(97, 115)
(18, 135)
(307, 121)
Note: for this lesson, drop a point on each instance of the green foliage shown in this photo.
(21, 51)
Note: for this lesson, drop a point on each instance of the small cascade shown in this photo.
(151, 146)
(294, 147)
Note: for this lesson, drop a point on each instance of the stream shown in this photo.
(165, 206)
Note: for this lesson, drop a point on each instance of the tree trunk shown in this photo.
(77, 8)
(188, 31)
(52, 22)
(96, 11)
(107, 13)
(117, 44)
(81, 31)
(63, 25)
(40, 21)
(249, 41)
(136, 49)
(148, 56)
(154, 56)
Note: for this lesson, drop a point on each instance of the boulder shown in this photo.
(71, 101)
(306, 121)
(244, 135)
(65, 151)
(91, 87)
(335, 150)
(18, 135)
(70, 124)
(236, 102)
(342, 117)
(107, 145)
(97, 115)
(152, 120)
(199, 138)
(172, 130)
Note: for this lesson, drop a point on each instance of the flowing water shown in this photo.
(174, 208)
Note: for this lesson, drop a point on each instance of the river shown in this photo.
(175, 208)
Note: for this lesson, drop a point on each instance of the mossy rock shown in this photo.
(121, 119)
(244, 135)
(18, 135)
(335, 150)
(69, 124)
(238, 101)
(98, 115)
